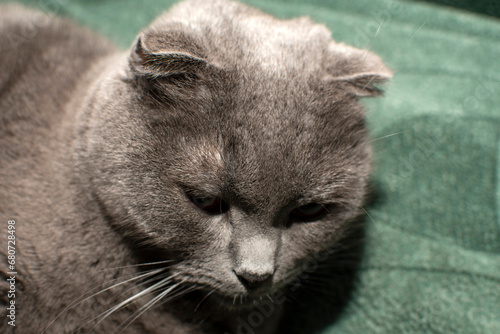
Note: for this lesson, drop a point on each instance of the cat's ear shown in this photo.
(167, 53)
(358, 71)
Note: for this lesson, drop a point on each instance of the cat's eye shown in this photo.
(210, 205)
(309, 212)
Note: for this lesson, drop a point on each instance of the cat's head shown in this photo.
(233, 140)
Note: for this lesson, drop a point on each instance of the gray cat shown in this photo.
(181, 186)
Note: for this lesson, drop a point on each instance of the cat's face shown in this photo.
(238, 170)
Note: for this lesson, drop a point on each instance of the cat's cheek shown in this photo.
(218, 231)
(303, 240)
(204, 236)
(210, 271)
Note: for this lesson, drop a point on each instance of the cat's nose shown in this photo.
(254, 281)
(255, 257)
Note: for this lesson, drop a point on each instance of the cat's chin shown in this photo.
(246, 301)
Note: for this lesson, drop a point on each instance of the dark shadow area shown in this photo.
(485, 7)
(322, 295)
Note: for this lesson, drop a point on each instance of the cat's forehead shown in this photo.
(236, 36)
(272, 146)
(275, 122)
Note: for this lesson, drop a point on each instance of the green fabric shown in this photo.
(486, 7)
(432, 255)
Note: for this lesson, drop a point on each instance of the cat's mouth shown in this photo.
(228, 288)
(272, 293)
(237, 301)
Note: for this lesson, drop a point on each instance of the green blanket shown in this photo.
(431, 261)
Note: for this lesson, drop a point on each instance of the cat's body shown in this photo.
(111, 159)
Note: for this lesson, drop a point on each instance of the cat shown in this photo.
(180, 186)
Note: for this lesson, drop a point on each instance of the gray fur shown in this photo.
(99, 147)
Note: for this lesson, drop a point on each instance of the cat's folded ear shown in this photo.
(167, 53)
(358, 71)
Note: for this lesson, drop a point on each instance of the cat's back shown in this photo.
(42, 61)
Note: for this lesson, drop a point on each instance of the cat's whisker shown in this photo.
(203, 299)
(74, 164)
(89, 319)
(368, 83)
(368, 214)
(156, 299)
(418, 30)
(150, 304)
(130, 300)
(138, 265)
(76, 302)
(324, 207)
(387, 136)
(372, 41)
(146, 282)
(179, 293)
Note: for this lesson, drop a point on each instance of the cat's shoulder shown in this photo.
(43, 59)
(48, 41)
